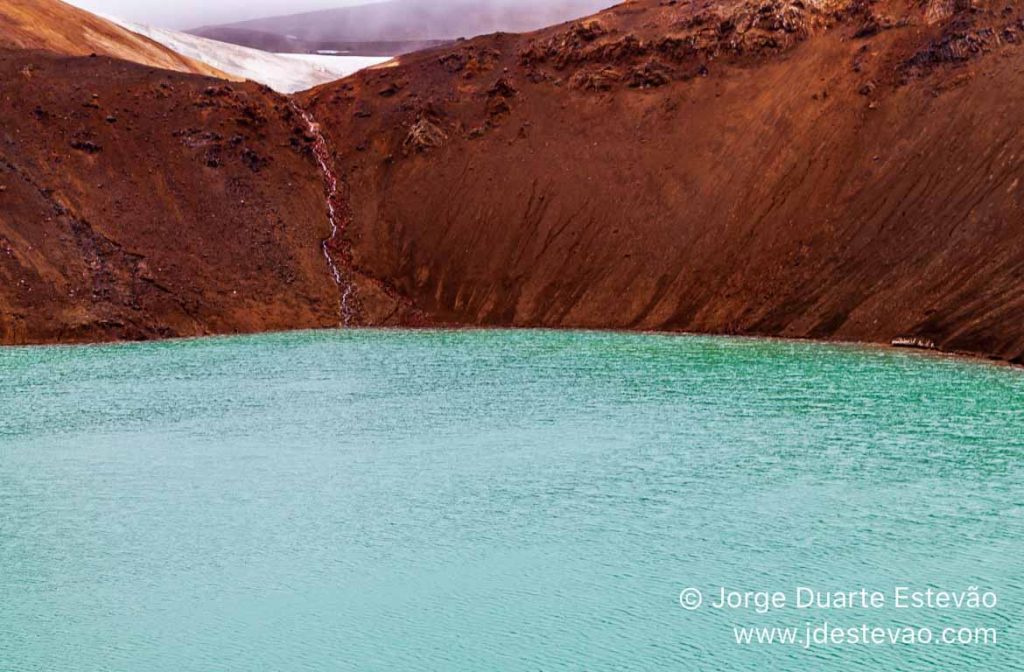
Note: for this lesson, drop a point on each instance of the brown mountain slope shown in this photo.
(842, 169)
(54, 26)
(141, 203)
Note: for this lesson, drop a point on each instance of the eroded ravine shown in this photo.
(336, 213)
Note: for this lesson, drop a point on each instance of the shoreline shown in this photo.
(879, 346)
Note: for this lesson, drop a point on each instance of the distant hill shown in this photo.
(54, 26)
(285, 73)
(285, 44)
(397, 26)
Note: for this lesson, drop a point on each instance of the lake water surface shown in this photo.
(494, 500)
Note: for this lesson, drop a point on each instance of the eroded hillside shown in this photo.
(829, 169)
(137, 203)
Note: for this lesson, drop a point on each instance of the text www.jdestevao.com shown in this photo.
(826, 634)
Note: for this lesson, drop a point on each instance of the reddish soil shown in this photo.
(845, 170)
(139, 203)
(838, 170)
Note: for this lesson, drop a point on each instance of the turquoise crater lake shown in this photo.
(496, 500)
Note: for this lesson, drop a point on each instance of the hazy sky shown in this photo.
(193, 13)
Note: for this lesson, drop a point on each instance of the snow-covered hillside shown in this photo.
(285, 73)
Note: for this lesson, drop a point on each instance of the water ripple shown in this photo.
(493, 500)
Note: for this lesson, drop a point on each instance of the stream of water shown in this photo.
(335, 215)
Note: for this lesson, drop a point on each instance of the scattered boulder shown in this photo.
(565, 48)
(649, 75)
(676, 48)
(194, 138)
(218, 91)
(476, 60)
(586, 31)
(595, 79)
(454, 62)
(499, 97)
(87, 146)
(424, 135)
(497, 107)
(620, 50)
(956, 46)
(252, 117)
(874, 25)
(502, 88)
(253, 160)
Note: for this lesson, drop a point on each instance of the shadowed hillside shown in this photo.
(138, 203)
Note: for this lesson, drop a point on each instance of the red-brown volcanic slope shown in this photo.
(58, 27)
(140, 203)
(841, 170)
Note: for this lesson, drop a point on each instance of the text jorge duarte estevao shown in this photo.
(810, 599)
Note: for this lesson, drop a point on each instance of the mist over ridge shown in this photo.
(414, 20)
(183, 14)
(443, 17)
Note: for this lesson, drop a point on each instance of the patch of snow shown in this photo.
(349, 64)
(285, 73)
